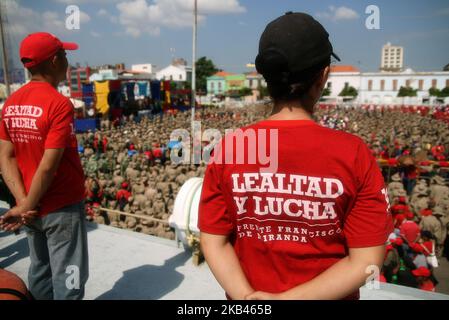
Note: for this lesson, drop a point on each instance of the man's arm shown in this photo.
(10, 171)
(43, 177)
(24, 212)
(337, 282)
(225, 266)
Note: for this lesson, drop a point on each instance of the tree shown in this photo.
(349, 91)
(407, 92)
(444, 93)
(434, 92)
(326, 92)
(204, 68)
(245, 92)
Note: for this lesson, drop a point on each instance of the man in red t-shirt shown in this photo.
(41, 166)
(310, 222)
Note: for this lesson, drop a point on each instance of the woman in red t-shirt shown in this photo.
(309, 221)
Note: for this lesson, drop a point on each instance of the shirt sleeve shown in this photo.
(4, 135)
(214, 217)
(61, 127)
(369, 222)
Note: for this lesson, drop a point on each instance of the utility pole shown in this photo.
(5, 57)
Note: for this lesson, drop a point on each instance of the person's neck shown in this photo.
(45, 78)
(289, 112)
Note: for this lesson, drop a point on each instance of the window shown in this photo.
(421, 85)
(382, 85)
(447, 83)
(370, 85)
(407, 83)
(212, 85)
(219, 86)
(329, 85)
(180, 77)
(434, 83)
(395, 85)
(250, 83)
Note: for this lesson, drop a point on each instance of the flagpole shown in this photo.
(195, 22)
(5, 57)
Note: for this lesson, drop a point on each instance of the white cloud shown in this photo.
(23, 20)
(338, 14)
(105, 14)
(69, 2)
(143, 17)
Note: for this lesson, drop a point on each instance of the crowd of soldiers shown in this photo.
(129, 169)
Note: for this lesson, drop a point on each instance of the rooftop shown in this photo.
(343, 68)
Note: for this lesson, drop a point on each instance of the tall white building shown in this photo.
(392, 58)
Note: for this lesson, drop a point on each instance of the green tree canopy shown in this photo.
(434, 92)
(349, 91)
(444, 93)
(245, 92)
(204, 68)
(407, 92)
(326, 92)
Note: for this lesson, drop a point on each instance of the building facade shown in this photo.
(216, 84)
(223, 82)
(254, 80)
(144, 68)
(178, 72)
(342, 76)
(383, 87)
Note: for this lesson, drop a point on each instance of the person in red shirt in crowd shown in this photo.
(427, 241)
(423, 275)
(409, 229)
(123, 195)
(41, 166)
(309, 223)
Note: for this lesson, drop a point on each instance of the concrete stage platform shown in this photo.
(130, 265)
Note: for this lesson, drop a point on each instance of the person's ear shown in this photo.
(324, 76)
(54, 61)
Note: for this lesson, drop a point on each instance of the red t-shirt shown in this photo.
(410, 231)
(122, 193)
(35, 118)
(290, 225)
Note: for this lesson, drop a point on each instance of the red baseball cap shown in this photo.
(41, 46)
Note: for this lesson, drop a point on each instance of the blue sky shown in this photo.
(153, 31)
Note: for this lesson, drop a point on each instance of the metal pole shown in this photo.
(5, 57)
(195, 21)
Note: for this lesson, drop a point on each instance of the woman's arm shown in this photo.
(225, 266)
(337, 282)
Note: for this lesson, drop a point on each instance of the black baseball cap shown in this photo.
(293, 43)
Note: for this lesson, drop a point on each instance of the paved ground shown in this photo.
(442, 275)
